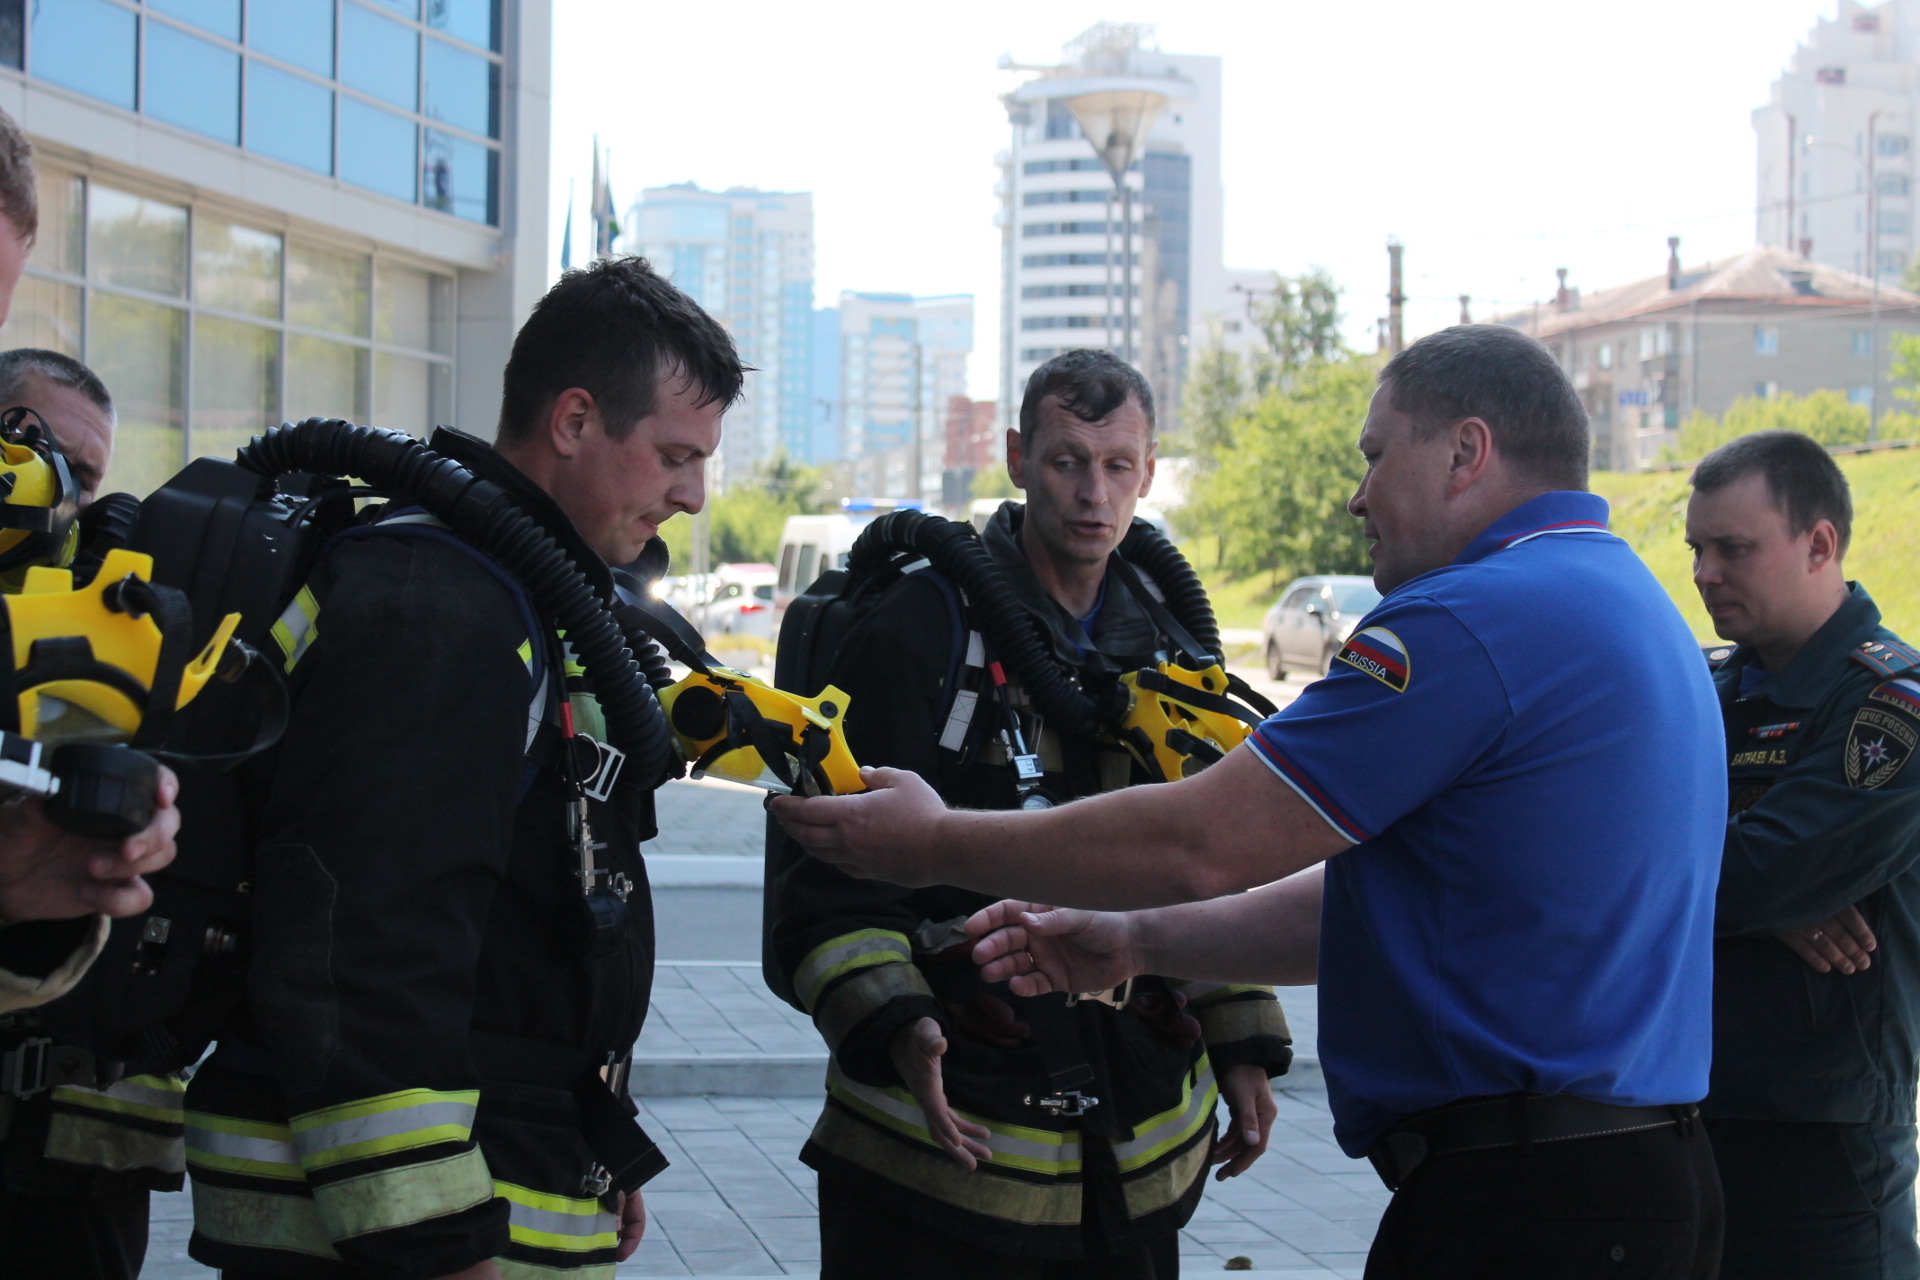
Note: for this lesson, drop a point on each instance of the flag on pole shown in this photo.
(566, 236)
(606, 224)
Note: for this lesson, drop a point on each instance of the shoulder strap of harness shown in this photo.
(1886, 656)
(543, 737)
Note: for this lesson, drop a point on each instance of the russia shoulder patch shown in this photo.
(1884, 734)
(1379, 653)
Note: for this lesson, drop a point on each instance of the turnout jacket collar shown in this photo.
(481, 458)
(1821, 663)
(1123, 631)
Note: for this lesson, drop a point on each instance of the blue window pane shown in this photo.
(379, 57)
(475, 21)
(192, 83)
(459, 177)
(13, 33)
(405, 8)
(289, 118)
(296, 31)
(85, 45)
(460, 89)
(376, 150)
(221, 17)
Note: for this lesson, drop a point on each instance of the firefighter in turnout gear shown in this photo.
(967, 1131)
(79, 1154)
(429, 1077)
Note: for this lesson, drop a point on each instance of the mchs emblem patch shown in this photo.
(1379, 653)
(1885, 731)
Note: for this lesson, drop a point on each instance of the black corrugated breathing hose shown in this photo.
(1186, 599)
(955, 550)
(486, 515)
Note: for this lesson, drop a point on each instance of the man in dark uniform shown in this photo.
(1811, 1111)
(421, 1087)
(941, 1150)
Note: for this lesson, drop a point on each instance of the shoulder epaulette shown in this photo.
(1716, 654)
(1886, 657)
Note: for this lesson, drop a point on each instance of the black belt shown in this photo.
(1515, 1120)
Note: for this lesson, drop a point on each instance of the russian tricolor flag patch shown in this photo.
(1379, 653)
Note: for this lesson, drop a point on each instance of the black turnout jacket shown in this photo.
(419, 1081)
(865, 959)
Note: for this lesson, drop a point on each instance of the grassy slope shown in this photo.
(1650, 510)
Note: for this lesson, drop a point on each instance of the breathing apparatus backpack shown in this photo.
(95, 658)
(244, 536)
(1174, 718)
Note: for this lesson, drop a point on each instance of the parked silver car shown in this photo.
(1311, 620)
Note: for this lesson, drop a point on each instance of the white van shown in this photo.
(811, 545)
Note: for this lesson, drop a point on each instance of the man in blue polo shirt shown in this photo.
(1511, 778)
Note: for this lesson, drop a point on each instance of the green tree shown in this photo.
(1827, 416)
(744, 523)
(1280, 508)
(1299, 322)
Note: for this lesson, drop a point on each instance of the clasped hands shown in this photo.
(1036, 950)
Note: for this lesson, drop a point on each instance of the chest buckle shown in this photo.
(1067, 1104)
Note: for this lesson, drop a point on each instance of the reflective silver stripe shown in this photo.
(383, 1124)
(295, 630)
(848, 951)
(555, 1223)
(1178, 1124)
(954, 736)
(146, 1096)
(237, 1146)
(976, 650)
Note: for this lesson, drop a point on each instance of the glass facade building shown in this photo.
(256, 211)
(207, 330)
(400, 97)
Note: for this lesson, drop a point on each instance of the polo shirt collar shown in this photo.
(1821, 661)
(1562, 511)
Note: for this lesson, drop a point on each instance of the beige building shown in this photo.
(1645, 355)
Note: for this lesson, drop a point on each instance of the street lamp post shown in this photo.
(1116, 123)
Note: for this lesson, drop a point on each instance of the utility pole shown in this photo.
(1466, 315)
(1873, 265)
(1396, 300)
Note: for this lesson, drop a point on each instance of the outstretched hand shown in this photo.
(1036, 949)
(886, 832)
(48, 873)
(917, 1049)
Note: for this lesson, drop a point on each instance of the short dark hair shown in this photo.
(1507, 380)
(19, 193)
(616, 330)
(21, 363)
(1091, 384)
(1802, 478)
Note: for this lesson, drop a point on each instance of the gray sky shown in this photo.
(1498, 138)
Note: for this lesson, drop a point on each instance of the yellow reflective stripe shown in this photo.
(379, 1126)
(1243, 1020)
(259, 1220)
(547, 1221)
(296, 629)
(158, 1098)
(256, 1148)
(105, 1142)
(1016, 1146)
(1154, 1191)
(400, 1197)
(934, 1174)
(1155, 1137)
(857, 998)
(526, 655)
(844, 954)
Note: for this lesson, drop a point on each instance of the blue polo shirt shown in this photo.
(1525, 748)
